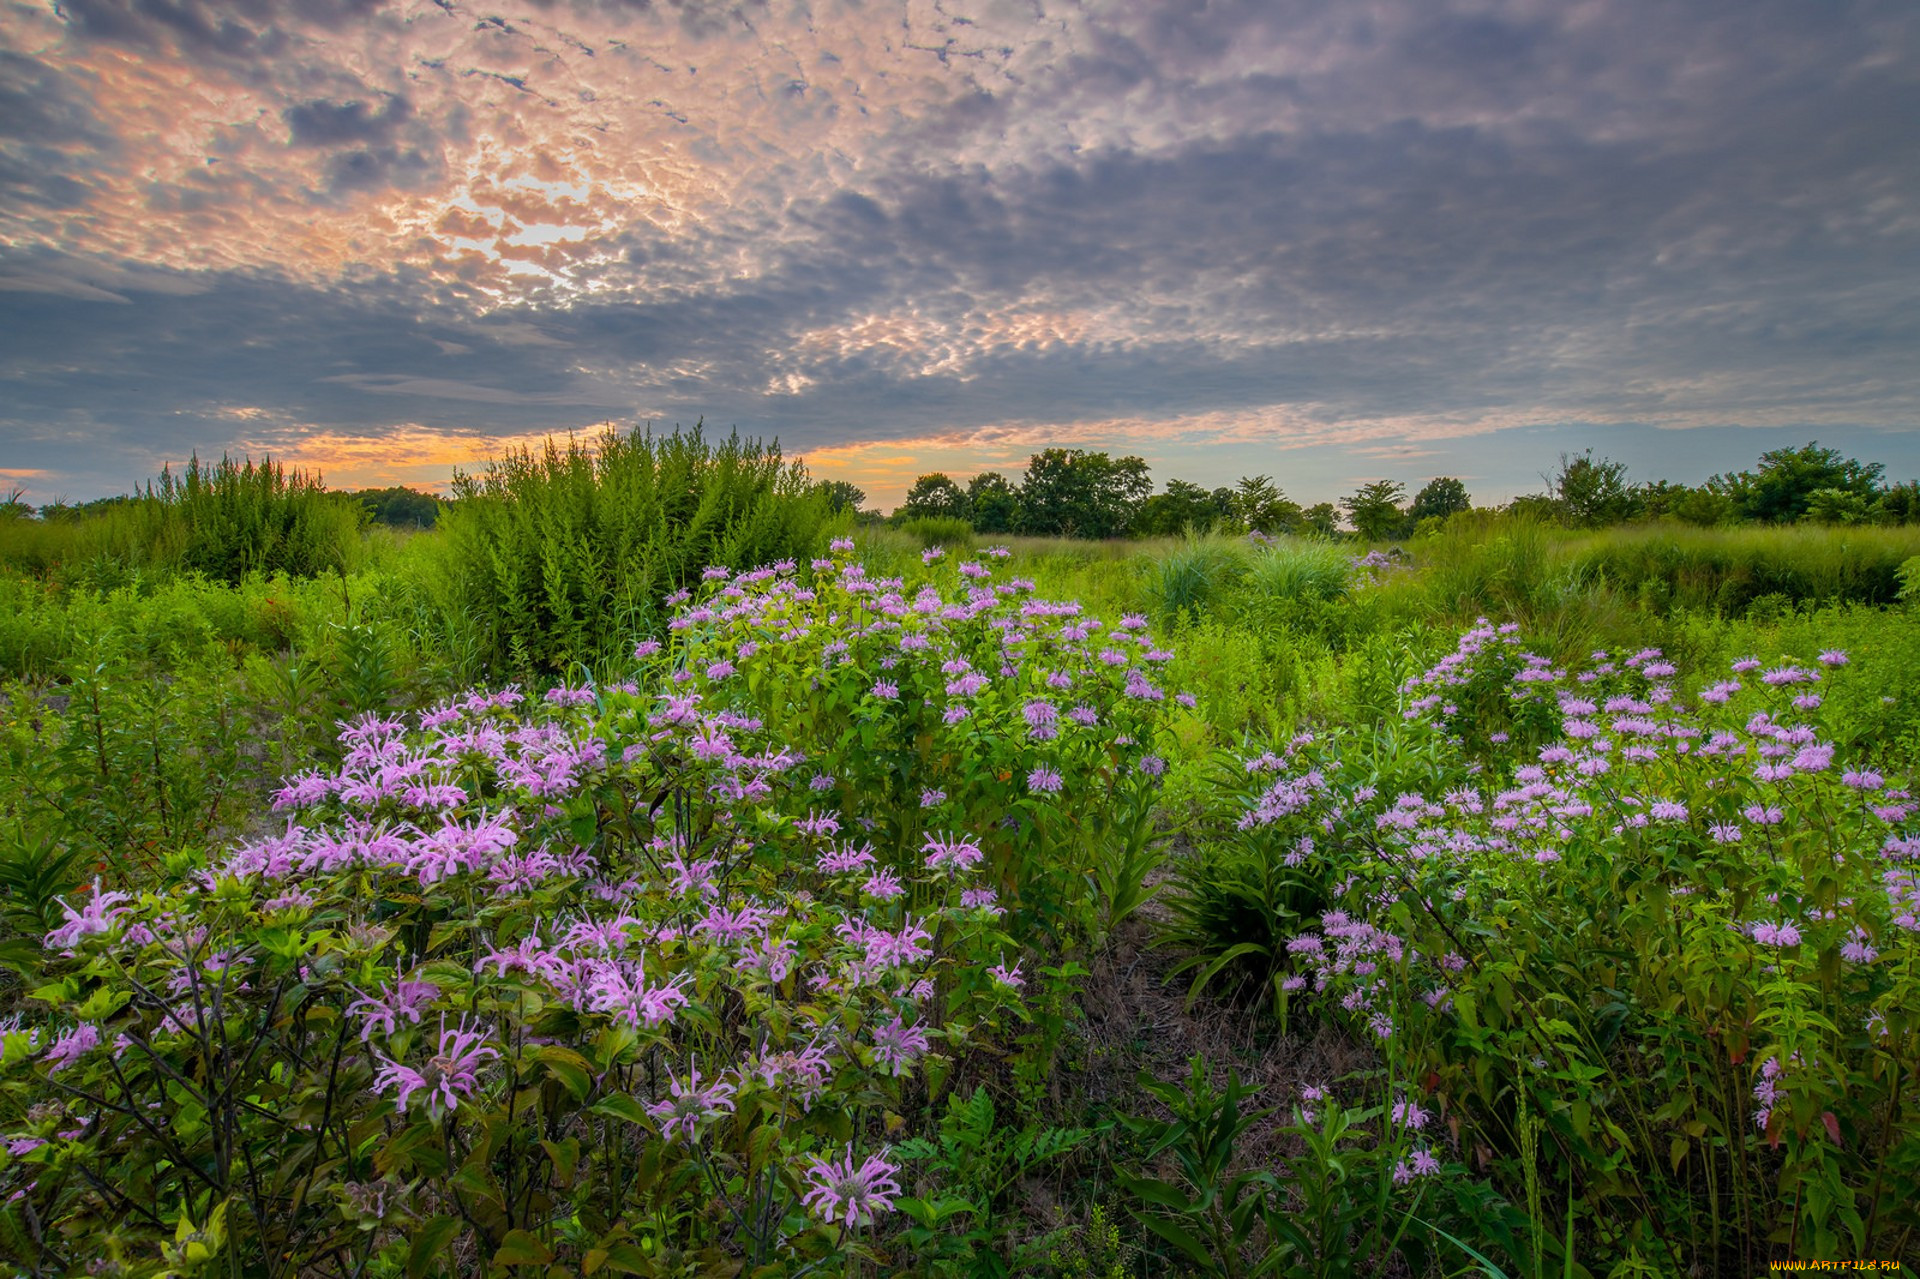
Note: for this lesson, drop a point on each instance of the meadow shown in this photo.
(653, 869)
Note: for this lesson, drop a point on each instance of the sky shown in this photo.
(1329, 241)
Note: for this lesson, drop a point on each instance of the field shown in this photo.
(651, 871)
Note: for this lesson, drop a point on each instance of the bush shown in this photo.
(636, 976)
(562, 557)
(1672, 941)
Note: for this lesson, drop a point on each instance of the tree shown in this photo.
(1375, 510)
(1781, 490)
(1592, 492)
(400, 507)
(995, 503)
(1443, 496)
(935, 497)
(841, 495)
(1320, 518)
(1262, 507)
(1183, 506)
(1074, 493)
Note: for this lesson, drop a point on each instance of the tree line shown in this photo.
(1087, 494)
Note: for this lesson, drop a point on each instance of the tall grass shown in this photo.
(224, 520)
(1729, 570)
(562, 556)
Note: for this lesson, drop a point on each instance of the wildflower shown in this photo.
(933, 554)
(453, 1073)
(71, 1047)
(1044, 780)
(883, 884)
(1410, 1114)
(96, 917)
(855, 1195)
(1422, 1164)
(1763, 816)
(1724, 833)
(680, 1114)
(840, 544)
(980, 899)
(1833, 657)
(955, 852)
(1770, 934)
(406, 1001)
(897, 1045)
(1859, 948)
(930, 798)
(1007, 976)
(885, 689)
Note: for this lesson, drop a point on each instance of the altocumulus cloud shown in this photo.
(1355, 230)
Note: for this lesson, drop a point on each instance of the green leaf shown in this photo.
(619, 1106)
(574, 1071)
(429, 1242)
(1177, 1236)
(522, 1249)
(1158, 1192)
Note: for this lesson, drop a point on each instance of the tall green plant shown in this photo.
(562, 556)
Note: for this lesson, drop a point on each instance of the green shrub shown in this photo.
(563, 556)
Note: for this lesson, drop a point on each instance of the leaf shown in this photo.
(570, 1068)
(1176, 1236)
(619, 1256)
(1158, 1192)
(565, 1156)
(520, 1248)
(429, 1242)
(619, 1106)
(1832, 1122)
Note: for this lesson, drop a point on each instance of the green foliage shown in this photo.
(992, 503)
(1184, 508)
(1074, 493)
(1441, 497)
(935, 497)
(930, 531)
(225, 521)
(564, 556)
(400, 507)
(972, 1166)
(1374, 510)
(1590, 492)
(1782, 488)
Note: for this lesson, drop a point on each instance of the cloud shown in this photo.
(1369, 228)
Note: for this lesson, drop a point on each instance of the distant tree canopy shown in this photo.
(935, 497)
(841, 495)
(994, 504)
(400, 507)
(1079, 493)
(1375, 510)
(1443, 496)
(1782, 488)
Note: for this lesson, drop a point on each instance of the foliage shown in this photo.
(935, 497)
(1673, 939)
(1374, 510)
(1782, 488)
(224, 520)
(402, 507)
(993, 504)
(562, 557)
(1074, 493)
(1590, 492)
(639, 977)
(1441, 497)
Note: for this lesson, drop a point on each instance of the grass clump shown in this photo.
(562, 556)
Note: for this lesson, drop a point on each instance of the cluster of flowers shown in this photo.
(1769, 853)
(674, 894)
